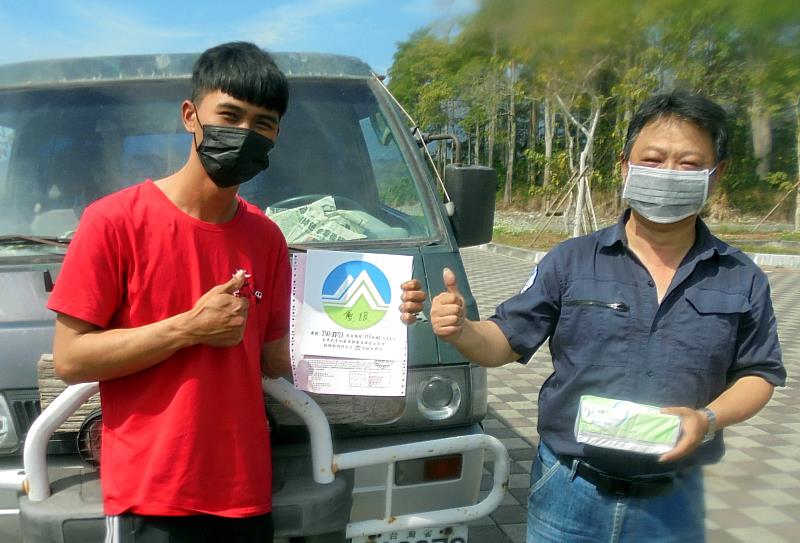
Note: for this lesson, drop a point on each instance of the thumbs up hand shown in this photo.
(447, 309)
(219, 316)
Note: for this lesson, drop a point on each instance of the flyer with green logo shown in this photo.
(347, 336)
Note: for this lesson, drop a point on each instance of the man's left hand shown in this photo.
(693, 427)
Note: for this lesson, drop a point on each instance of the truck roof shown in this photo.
(68, 71)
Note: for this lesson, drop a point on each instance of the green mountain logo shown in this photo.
(356, 295)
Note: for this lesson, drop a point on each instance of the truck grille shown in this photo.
(25, 407)
(25, 412)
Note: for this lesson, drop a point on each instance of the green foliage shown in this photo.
(420, 77)
(614, 53)
(781, 181)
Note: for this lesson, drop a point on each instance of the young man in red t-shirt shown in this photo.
(174, 295)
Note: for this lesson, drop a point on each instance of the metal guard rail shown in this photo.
(35, 480)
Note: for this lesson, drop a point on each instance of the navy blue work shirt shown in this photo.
(610, 337)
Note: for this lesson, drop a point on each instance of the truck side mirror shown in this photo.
(472, 191)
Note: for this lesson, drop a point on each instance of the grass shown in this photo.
(734, 234)
(546, 241)
(769, 249)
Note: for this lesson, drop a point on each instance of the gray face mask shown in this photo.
(666, 196)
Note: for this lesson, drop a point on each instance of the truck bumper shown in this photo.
(301, 507)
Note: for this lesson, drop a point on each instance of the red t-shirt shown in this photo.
(188, 435)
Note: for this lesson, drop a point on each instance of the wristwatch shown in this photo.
(712, 424)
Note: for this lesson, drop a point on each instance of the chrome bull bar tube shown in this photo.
(34, 456)
(425, 449)
(33, 478)
(314, 417)
(324, 463)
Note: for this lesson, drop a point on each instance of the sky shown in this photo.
(368, 29)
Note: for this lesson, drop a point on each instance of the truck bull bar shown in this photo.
(34, 479)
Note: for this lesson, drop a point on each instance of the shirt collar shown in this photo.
(705, 245)
(616, 234)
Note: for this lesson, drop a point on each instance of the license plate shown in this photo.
(449, 534)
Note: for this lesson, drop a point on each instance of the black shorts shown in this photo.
(130, 528)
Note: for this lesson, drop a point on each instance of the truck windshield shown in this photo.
(337, 173)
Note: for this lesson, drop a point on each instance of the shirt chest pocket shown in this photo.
(594, 325)
(706, 330)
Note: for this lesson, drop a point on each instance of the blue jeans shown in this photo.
(564, 508)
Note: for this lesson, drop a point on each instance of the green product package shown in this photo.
(626, 426)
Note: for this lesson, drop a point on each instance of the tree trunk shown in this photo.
(619, 138)
(584, 159)
(549, 132)
(477, 143)
(512, 138)
(492, 132)
(589, 150)
(576, 142)
(580, 201)
(761, 133)
(626, 122)
(797, 194)
(570, 144)
(452, 120)
(534, 132)
(493, 104)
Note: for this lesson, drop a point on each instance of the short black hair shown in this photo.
(244, 71)
(687, 106)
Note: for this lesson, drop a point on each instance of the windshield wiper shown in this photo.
(38, 240)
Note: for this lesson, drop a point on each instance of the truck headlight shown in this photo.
(438, 397)
(9, 440)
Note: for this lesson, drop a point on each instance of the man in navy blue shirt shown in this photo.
(654, 310)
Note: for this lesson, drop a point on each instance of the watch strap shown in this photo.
(712, 424)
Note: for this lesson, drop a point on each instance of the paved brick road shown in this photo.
(752, 495)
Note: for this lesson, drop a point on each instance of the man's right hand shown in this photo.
(447, 310)
(219, 318)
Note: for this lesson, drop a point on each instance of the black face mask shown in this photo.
(232, 155)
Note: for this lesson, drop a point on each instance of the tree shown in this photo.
(584, 66)
(420, 78)
(512, 133)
